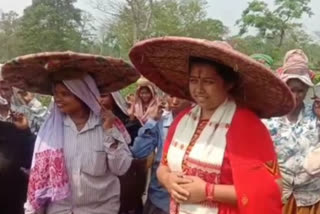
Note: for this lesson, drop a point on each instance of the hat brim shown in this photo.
(306, 80)
(35, 72)
(165, 61)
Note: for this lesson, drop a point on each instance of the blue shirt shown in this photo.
(151, 138)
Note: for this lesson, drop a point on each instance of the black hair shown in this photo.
(119, 113)
(55, 82)
(225, 72)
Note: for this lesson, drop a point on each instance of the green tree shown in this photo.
(8, 35)
(137, 13)
(277, 23)
(166, 17)
(296, 38)
(53, 25)
(185, 18)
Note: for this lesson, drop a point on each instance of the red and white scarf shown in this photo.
(208, 151)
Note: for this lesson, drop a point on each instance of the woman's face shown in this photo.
(206, 87)
(299, 90)
(145, 95)
(107, 101)
(67, 102)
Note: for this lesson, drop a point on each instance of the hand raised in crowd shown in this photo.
(156, 111)
(108, 119)
(173, 184)
(107, 116)
(130, 99)
(20, 121)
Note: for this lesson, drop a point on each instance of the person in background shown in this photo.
(4, 110)
(6, 93)
(118, 105)
(133, 182)
(16, 149)
(295, 56)
(151, 139)
(24, 103)
(145, 98)
(294, 136)
(316, 101)
(33, 109)
(264, 59)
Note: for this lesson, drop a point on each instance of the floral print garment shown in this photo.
(293, 141)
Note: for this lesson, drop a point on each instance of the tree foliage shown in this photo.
(58, 25)
(251, 44)
(9, 24)
(52, 25)
(168, 17)
(274, 23)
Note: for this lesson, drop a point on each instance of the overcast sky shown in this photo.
(227, 11)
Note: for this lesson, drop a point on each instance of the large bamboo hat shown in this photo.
(165, 62)
(35, 72)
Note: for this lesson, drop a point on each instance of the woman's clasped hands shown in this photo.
(185, 189)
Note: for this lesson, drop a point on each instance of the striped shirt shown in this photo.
(93, 167)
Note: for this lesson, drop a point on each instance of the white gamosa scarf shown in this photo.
(208, 152)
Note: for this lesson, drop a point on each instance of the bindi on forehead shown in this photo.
(204, 75)
(203, 71)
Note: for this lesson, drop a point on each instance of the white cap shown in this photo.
(303, 78)
(296, 70)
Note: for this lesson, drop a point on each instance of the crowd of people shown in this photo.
(208, 130)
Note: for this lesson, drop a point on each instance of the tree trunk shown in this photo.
(135, 19)
(282, 34)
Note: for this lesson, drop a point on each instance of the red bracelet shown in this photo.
(209, 191)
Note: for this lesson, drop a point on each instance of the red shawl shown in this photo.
(250, 149)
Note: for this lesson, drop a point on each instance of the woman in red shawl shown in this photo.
(218, 156)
